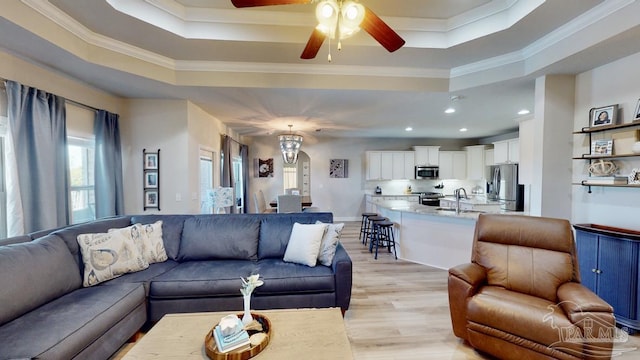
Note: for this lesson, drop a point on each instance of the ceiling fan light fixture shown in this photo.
(327, 15)
(352, 16)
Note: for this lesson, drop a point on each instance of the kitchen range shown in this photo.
(429, 198)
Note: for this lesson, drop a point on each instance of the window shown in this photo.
(81, 182)
(290, 177)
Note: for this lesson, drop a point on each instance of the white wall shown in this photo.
(179, 129)
(614, 83)
(204, 132)
(152, 125)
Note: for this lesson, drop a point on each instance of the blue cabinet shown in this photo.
(609, 266)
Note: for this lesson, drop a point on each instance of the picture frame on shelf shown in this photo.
(637, 112)
(151, 199)
(151, 179)
(602, 147)
(150, 161)
(634, 177)
(607, 115)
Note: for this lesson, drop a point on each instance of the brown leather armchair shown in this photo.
(521, 297)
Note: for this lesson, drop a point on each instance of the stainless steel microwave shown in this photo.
(427, 172)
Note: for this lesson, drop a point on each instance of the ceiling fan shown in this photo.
(337, 19)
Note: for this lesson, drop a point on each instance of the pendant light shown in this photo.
(290, 145)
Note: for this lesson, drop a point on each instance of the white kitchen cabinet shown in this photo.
(374, 161)
(389, 165)
(427, 155)
(475, 162)
(453, 165)
(386, 166)
(506, 151)
(409, 165)
(488, 157)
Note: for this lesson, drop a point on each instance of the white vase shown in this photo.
(636, 148)
(247, 318)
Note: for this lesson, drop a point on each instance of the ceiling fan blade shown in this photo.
(380, 31)
(313, 45)
(252, 3)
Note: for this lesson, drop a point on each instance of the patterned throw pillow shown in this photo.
(109, 255)
(148, 238)
(329, 243)
(152, 245)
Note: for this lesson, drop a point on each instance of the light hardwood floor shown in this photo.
(400, 310)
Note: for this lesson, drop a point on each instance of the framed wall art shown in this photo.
(151, 199)
(634, 177)
(606, 115)
(151, 160)
(338, 168)
(151, 179)
(263, 167)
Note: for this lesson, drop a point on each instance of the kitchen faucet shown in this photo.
(456, 193)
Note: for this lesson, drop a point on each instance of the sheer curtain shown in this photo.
(108, 165)
(37, 126)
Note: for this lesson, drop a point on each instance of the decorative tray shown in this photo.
(212, 350)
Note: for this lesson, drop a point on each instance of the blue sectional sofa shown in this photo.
(46, 313)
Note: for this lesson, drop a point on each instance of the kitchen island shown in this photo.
(431, 236)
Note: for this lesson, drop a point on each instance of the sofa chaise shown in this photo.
(48, 312)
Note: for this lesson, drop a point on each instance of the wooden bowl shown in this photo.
(212, 350)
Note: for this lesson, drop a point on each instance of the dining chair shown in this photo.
(260, 203)
(289, 203)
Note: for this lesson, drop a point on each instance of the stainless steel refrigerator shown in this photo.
(502, 185)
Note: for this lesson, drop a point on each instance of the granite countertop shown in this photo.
(380, 195)
(473, 200)
(409, 207)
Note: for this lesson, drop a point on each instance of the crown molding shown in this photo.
(593, 16)
(211, 23)
(60, 18)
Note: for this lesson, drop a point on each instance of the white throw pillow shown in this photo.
(329, 243)
(304, 243)
(109, 255)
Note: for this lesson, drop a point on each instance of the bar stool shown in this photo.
(371, 220)
(384, 234)
(364, 227)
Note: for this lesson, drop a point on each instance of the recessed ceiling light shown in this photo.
(463, 129)
(450, 110)
(523, 112)
(408, 128)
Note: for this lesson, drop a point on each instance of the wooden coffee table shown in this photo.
(296, 334)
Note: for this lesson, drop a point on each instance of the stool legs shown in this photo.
(365, 227)
(384, 236)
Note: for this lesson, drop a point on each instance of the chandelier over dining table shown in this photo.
(290, 146)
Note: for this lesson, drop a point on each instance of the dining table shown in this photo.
(306, 202)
